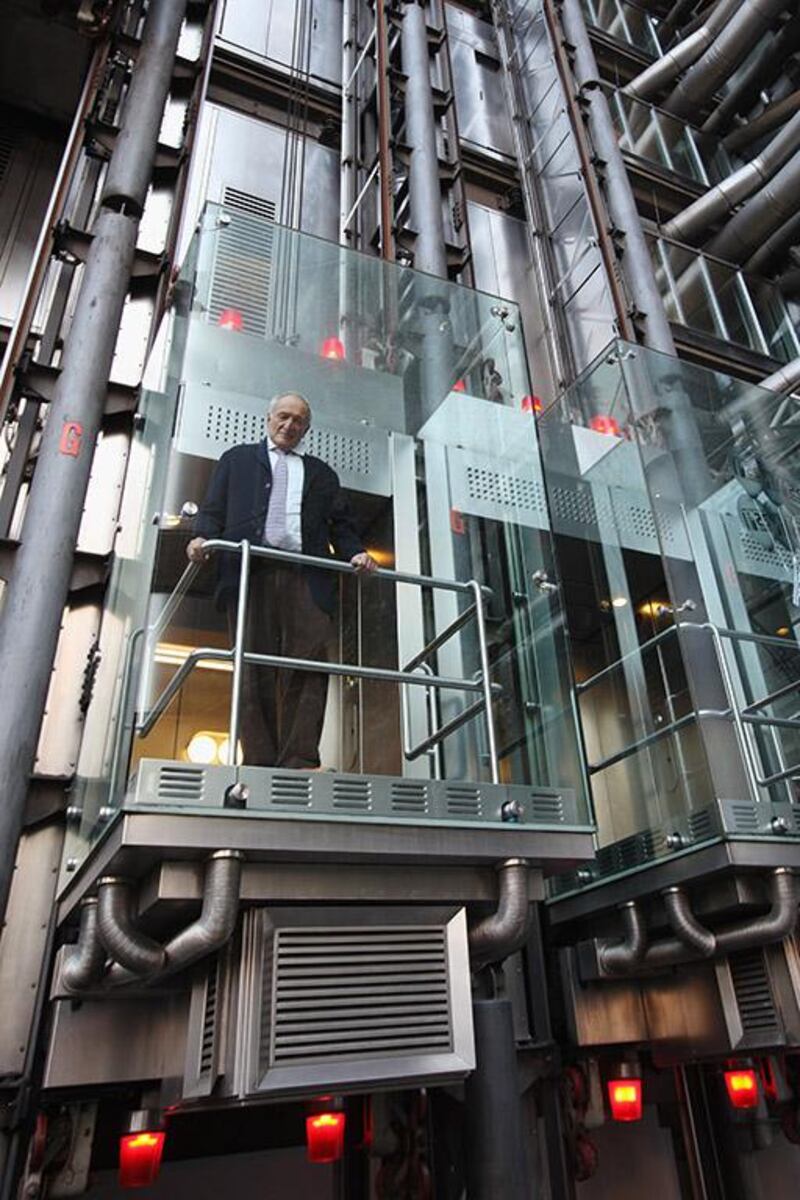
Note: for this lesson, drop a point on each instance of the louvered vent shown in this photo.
(352, 795)
(409, 797)
(743, 815)
(242, 270)
(290, 791)
(545, 810)
(753, 992)
(208, 1040)
(463, 800)
(701, 824)
(181, 784)
(356, 992)
(7, 144)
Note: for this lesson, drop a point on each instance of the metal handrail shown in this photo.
(239, 657)
(744, 719)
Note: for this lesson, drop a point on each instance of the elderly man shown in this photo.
(276, 495)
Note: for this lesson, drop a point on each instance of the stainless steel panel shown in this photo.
(477, 81)
(28, 166)
(63, 723)
(267, 28)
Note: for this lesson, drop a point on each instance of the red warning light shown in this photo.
(602, 424)
(742, 1086)
(532, 404)
(333, 348)
(625, 1099)
(459, 386)
(140, 1158)
(325, 1137)
(231, 318)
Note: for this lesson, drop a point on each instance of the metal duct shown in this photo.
(771, 118)
(789, 283)
(133, 950)
(730, 48)
(761, 216)
(776, 244)
(670, 65)
(690, 224)
(621, 957)
(769, 63)
(424, 185)
(84, 966)
(218, 914)
(784, 380)
(693, 941)
(505, 930)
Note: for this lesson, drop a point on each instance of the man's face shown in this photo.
(287, 422)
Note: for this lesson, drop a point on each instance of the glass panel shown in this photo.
(422, 449)
(626, 22)
(651, 134)
(675, 499)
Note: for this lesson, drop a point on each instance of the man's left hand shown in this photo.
(363, 563)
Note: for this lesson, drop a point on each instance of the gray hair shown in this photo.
(282, 396)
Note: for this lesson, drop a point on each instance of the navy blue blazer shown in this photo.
(235, 507)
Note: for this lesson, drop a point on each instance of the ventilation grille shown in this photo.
(630, 852)
(241, 275)
(701, 824)
(7, 144)
(352, 795)
(410, 797)
(184, 784)
(339, 993)
(208, 1040)
(346, 454)
(506, 490)
(290, 791)
(742, 816)
(463, 800)
(546, 810)
(753, 992)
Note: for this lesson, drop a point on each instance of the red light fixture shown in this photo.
(231, 318)
(333, 348)
(140, 1158)
(532, 404)
(742, 1086)
(325, 1136)
(459, 386)
(625, 1099)
(603, 424)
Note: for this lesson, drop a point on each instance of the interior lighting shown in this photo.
(203, 748)
(604, 424)
(531, 404)
(231, 318)
(742, 1087)
(333, 348)
(224, 749)
(625, 1099)
(325, 1136)
(619, 602)
(651, 608)
(784, 631)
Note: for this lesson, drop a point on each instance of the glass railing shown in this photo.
(648, 133)
(445, 671)
(625, 22)
(674, 494)
(712, 297)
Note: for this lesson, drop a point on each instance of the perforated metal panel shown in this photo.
(352, 997)
(211, 420)
(480, 486)
(757, 551)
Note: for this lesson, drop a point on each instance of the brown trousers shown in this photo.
(282, 711)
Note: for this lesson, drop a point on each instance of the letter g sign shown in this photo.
(70, 440)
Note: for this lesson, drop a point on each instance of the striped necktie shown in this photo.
(275, 526)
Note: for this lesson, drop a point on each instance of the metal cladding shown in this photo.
(424, 185)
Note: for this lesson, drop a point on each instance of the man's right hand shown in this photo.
(196, 550)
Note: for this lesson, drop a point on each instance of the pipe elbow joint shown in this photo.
(84, 966)
(125, 944)
(621, 957)
(504, 931)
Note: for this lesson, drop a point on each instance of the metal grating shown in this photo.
(546, 809)
(742, 816)
(352, 795)
(409, 797)
(508, 491)
(290, 790)
(342, 992)
(463, 800)
(208, 1039)
(753, 992)
(182, 784)
(241, 274)
(7, 144)
(348, 455)
(701, 824)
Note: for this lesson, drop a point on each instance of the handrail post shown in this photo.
(483, 648)
(238, 654)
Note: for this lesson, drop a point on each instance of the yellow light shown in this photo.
(173, 654)
(202, 748)
(384, 558)
(618, 602)
(783, 631)
(652, 608)
(224, 751)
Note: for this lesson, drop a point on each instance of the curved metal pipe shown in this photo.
(218, 914)
(729, 48)
(621, 957)
(761, 216)
(771, 118)
(84, 966)
(494, 937)
(766, 68)
(685, 925)
(775, 925)
(688, 225)
(687, 51)
(776, 244)
(133, 950)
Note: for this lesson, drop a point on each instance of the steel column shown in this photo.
(424, 184)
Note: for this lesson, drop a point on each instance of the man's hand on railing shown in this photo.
(196, 550)
(363, 563)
